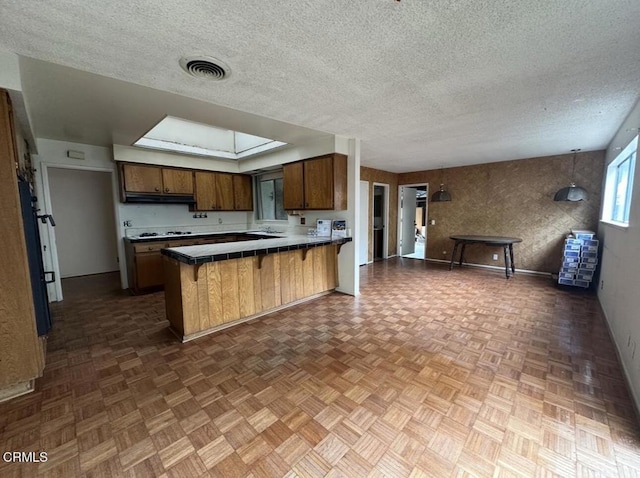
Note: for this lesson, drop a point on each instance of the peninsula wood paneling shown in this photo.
(513, 198)
(383, 177)
(199, 298)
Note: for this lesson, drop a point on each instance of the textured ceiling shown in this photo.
(423, 84)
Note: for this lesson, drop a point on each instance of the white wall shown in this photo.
(82, 205)
(620, 268)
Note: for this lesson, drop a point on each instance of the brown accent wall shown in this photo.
(384, 177)
(512, 198)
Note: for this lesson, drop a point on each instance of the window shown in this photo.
(184, 136)
(270, 197)
(619, 184)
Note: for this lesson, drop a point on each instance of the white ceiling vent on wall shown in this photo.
(205, 67)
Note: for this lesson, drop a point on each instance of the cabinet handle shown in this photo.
(306, 204)
(150, 248)
(156, 189)
(166, 190)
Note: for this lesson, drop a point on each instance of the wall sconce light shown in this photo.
(572, 192)
(441, 195)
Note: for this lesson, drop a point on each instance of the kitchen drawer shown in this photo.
(149, 247)
(190, 242)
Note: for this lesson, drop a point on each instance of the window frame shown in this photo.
(258, 178)
(612, 182)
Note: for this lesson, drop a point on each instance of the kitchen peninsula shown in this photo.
(213, 286)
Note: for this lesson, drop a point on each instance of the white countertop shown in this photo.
(208, 250)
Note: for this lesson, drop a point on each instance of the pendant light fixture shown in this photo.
(572, 192)
(441, 195)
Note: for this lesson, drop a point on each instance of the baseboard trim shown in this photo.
(634, 397)
(495, 268)
(17, 390)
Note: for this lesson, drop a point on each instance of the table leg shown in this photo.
(453, 254)
(513, 265)
(464, 245)
(506, 261)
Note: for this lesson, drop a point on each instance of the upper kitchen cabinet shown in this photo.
(149, 183)
(177, 181)
(214, 191)
(317, 183)
(142, 179)
(242, 192)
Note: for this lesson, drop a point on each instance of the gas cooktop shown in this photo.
(163, 234)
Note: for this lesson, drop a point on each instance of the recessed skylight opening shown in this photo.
(188, 137)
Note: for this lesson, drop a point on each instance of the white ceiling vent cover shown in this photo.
(205, 67)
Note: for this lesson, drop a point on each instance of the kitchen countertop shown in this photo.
(194, 235)
(235, 250)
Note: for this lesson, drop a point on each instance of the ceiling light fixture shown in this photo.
(572, 192)
(441, 195)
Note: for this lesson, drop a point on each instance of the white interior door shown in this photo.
(408, 217)
(363, 246)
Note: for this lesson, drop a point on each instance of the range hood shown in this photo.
(158, 198)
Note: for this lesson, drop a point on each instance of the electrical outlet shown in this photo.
(127, 223)
(303, 220)
(219, 220)
(444, 253)
(602, 284)
(495, 257)
(432, 222)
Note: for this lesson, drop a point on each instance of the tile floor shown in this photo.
(427, 373)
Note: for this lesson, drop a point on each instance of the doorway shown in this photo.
(85, 233)
(380, 219)
(412, 220)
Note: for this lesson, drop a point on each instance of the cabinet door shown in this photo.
(205, 191)
(177, 181)
(149, 270)
(293, 186)
(242, 193)
(318, 183)
(142, 179)
(224, 192)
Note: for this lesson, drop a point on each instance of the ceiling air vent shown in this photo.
(205, 67)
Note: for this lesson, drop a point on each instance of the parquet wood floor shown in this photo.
(428, 373)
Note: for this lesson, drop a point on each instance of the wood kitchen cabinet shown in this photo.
(148, 269)
(317, 183)
(177, 181)
(143, 178)
(242, 192)
(215, 192)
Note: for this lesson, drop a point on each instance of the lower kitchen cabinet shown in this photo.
(144, 265)
(149, 272)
